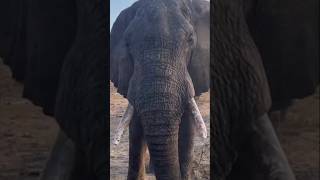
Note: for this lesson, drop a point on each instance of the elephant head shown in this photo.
(159, 61)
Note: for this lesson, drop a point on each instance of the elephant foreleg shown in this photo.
(137, 149)
(186, 134)
(149, 164)
(61, 161)
(267, 146)
(278, 117)
(278, 113)
(261, 156)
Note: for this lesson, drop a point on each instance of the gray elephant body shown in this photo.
(287, 36)
(159, 61)
(80, 107)
(244, 142)
(46, 46)
(239, 85)
(58, 49)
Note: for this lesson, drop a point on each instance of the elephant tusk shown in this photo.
(199, 123)
(124, 123)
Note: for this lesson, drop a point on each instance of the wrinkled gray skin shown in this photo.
(159, 61)
(287, 35)
(61, 45)
(244, 143)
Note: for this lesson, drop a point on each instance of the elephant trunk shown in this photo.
(160, 107)
(161, 129)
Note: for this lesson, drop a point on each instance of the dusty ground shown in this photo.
(26, 136)
(299, 136)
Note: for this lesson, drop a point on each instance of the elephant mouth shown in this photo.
(196, 116)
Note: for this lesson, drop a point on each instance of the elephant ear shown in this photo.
(121, 66)
(199, 65)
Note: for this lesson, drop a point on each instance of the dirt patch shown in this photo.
(299, 136)
(26, 134)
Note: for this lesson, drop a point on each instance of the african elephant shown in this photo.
(159, 61)
(47, 48)
(244, 142)
(59, 53)
(81, 103)
(287, 36)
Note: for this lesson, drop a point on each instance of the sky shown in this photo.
(116, 6)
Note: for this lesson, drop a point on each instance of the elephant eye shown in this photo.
(190, 38)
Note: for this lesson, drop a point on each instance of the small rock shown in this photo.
(26, 135)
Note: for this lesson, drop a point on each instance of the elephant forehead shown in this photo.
(161, 57)
(158, 40)
(161, 16)
(155, 11)
(156, 54)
